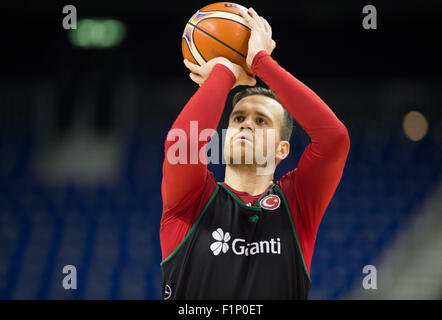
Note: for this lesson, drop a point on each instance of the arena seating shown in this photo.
(111, 233)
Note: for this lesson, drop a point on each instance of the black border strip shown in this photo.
(227, 309)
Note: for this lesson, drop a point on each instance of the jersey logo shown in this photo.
(221, 241)
(241, 247)
(270, 202)
(167, 292)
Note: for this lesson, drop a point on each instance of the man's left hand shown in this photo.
(261, 35)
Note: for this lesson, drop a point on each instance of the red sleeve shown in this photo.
(310, 187)
(185, 184)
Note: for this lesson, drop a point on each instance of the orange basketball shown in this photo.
(217, 30)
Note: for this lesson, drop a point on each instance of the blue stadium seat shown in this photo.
(112, 232)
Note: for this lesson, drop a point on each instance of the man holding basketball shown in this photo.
(248, 237)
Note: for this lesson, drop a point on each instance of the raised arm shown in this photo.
(322, 162)
(183, 182)
(310, 187)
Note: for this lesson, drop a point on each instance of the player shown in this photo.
(249, 237)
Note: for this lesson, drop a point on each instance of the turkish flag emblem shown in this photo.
(270, 202)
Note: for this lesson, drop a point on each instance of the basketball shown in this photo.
(217, 30)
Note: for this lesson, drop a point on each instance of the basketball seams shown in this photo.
(190, 50)
(194, 26)
(225, 15)
(208, 18)
(199, 58)
(216, 39)
(196, 47)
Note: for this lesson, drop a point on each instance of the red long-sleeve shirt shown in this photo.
(309, 188)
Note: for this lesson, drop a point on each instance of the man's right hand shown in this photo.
(199, 74)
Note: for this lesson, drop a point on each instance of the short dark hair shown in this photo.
(287, 121)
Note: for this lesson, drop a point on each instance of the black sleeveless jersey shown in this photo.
(235, 251)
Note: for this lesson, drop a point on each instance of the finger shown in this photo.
(245, 14)
(256, 17)
(263, 23)
(252, 23)
(192, 67)
(267, 26)
(273, 44)
(253, 13)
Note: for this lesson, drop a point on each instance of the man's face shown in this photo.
(253, 133)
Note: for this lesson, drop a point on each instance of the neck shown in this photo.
(244, 178)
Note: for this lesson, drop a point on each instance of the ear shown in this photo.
(282, 151)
